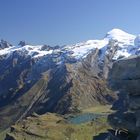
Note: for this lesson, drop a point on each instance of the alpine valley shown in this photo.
(43, 88)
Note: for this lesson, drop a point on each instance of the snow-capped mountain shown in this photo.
(127, 45)
(60, 79)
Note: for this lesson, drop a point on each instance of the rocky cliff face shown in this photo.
(125, 77)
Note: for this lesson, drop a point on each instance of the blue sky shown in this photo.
(66, 21)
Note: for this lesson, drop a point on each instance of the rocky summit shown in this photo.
(68, 79)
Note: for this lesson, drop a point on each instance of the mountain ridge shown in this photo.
(77, 51)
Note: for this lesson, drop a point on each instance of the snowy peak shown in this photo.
(114, 33)
(120, 36)
(117, 32)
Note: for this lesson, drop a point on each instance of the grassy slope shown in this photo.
(3, 134)
(55, 127)
(101, 109)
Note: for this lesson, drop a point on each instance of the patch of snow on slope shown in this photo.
(34, 51)
(81, 50)
(5, 51)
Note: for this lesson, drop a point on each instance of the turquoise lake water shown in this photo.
(83, 118)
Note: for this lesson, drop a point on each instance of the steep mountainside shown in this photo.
(59, 79)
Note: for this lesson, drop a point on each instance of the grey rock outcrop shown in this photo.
(22, 43)
(125, 77)
(4, 44)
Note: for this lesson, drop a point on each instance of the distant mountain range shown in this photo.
(127, 45)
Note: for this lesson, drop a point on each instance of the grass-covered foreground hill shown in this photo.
(52, 126)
